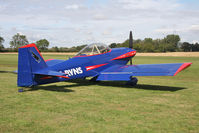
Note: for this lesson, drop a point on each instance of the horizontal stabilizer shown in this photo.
(52, 73)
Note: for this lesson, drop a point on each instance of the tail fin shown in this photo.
(29, 61)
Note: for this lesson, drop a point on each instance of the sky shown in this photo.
(67, 23)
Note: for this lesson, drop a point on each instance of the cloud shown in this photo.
(148, 4)
(99, 17)
(190, 28)
(164, 30)
(73, 7)
(107, 32)
(195, 41)
(194, 28)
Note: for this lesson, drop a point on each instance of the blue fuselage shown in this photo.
(86, 66)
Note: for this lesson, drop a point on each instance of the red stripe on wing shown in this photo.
(182, 67)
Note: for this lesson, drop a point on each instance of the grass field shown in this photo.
(156, 104)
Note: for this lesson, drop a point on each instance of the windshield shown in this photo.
(93, 49)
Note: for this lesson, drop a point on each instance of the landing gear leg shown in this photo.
(94, 79)
(132, 82)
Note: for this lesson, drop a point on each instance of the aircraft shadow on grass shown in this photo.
(79, 82)
(7, 72)
(51, 88)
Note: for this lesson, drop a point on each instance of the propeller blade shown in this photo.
(130, 44)
(130, 40)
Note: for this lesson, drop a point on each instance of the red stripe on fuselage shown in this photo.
(48, 77)
(48, 60)
(63, 77)
(95, 66)
(129, 54)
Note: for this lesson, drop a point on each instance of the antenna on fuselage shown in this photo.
(130, 44)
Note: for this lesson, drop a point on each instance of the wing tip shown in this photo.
(182, 67)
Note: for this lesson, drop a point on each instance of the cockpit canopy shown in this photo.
(93, 49)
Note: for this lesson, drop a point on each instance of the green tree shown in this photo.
(42, 44)
(78, 48)
(148, 40)
(196, 47)
(113, 45)
(186, 46)
(138, 41)
(172, 42)
(148, 45)
(63, 49)
(18, 41)
(1, 43)
(125, 43)
(169, 43)
(54, 49)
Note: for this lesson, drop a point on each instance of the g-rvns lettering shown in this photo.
(73, 71)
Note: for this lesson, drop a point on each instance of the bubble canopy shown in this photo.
(93, 49)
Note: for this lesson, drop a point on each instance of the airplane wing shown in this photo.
(124, 72)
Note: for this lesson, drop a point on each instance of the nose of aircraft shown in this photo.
(129, 53)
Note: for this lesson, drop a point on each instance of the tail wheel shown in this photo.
(20, 90)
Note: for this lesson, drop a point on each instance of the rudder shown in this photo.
(29, 61)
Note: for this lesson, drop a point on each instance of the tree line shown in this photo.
(19, 40)
(170, 43)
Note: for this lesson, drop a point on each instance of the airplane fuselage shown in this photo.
(86, 66)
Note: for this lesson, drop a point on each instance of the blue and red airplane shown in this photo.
(96, 60)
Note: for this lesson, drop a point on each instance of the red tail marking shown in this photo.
(32, 45)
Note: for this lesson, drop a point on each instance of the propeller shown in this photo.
(130, 44)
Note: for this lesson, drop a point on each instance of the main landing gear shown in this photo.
(94, 79)
(132, 82)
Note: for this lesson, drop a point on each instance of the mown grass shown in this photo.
(156, 104)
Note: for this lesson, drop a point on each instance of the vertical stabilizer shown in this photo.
(29, 61)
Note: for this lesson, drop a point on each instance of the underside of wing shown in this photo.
(125, 72)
